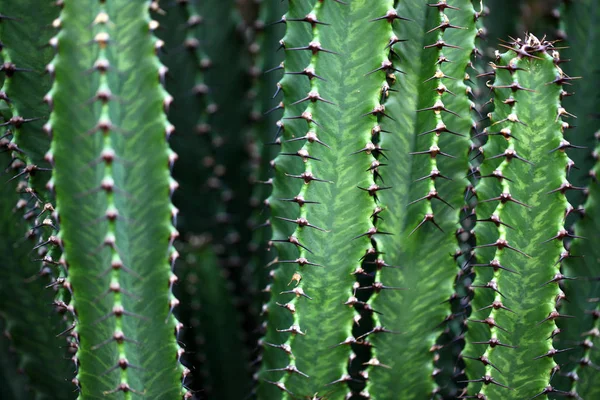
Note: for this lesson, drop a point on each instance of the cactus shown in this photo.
(521, 230)
(111, 177)
(414, 238)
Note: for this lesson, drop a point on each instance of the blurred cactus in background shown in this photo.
(302, 199)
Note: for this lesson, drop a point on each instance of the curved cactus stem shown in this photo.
(520, 229)
(112, 182)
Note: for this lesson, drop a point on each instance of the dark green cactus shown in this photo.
(416, 240)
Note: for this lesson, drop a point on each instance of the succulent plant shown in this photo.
(373, 202)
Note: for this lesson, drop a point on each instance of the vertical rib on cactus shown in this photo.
(429, 152)
(186, 61)
(112, 182)
(465, 60)
(262, 131)
(25, 53)
(520, 214)
(334, 116)
(581, 333)
(581, 37)
(275, 354)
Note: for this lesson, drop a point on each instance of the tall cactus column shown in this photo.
(112, 182)
(426, 143)
(520, 230)
(321, 218)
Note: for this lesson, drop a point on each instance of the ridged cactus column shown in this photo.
(520, 230)
(427, 145)
(112, 182)
(324, 193)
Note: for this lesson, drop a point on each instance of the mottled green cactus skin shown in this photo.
(112, 183)
(424, 230)
(402, 124)
(338, 235)
(335, 155)
(517, 257)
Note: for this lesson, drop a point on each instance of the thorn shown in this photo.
(495, 264)
(314, 47)
(302, 222)
(309, 72)
(501, 244)
(426, 218)
(505, 198)
(552, 316)
(307, 177)
(390, 16)
(493, 342)
(550, 353)
(433, 194)
(487, 379)
(372, 232)
(293, 240)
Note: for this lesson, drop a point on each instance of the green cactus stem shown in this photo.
(428, 141)
(322, 226)
(520, 230)
(112, 182)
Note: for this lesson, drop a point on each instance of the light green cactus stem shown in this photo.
(332, 91)
(112, 183)
(427, 145)
(520, 230)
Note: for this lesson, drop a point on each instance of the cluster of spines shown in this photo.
(101, 25)
(488, 288)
